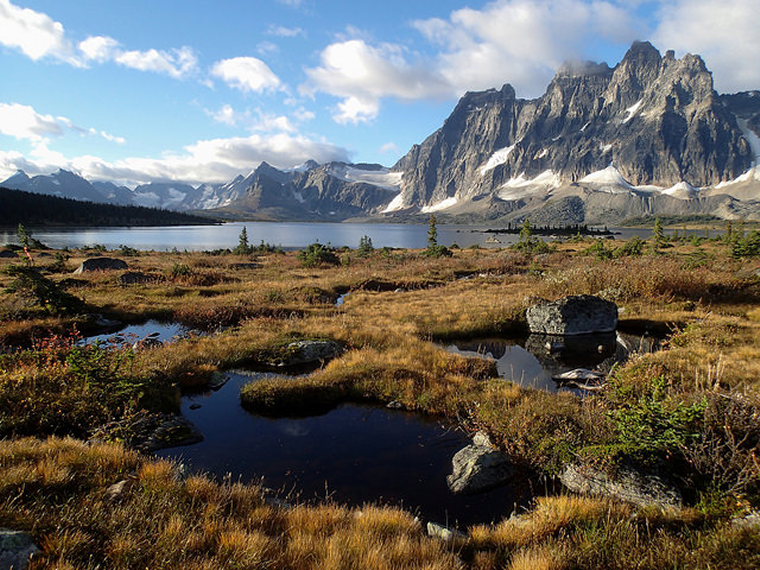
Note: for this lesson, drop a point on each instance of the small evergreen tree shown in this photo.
(243, 247)
(433, 249)
(365, 246)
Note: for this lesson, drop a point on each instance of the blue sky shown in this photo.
(201, 90)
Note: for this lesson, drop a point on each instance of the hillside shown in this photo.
(20, 207)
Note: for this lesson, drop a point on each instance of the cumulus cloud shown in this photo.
(99, 48)
(362, 74)
(23, 122)
(246, 74)
(35, 34)
(725, 35)
(517, 41)
(213, 160)
(38, 36)
(177, 63)
(257, 120)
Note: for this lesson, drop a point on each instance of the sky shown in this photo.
(202, 90)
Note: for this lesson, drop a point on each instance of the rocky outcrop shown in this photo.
(573, 315)
(625, 484)
(306, 352)
(652, 120)
(444, 533)
(139, 278)
(479, 467)
(149, 432)
(16, 549)
(101, 264)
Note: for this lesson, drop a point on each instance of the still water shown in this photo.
(288, 235)
(352, 454)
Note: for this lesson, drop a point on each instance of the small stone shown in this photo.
(195, 406)
(435, 530)
(481, 438)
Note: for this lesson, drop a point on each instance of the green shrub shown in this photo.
(748, 246)
(317, 254)
(365, 246)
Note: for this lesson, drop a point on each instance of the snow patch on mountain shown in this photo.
(497, 158)
(520, 186)
(396, 204)
(632, 110)
(442, 205)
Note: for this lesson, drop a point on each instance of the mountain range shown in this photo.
(650, 136)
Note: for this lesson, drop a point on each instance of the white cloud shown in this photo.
(99, 48)
(727, 35)
(39, 36)
(215, 160)
(35, 34)
(284, 31)
(356, 110)
(23, 122)
(362, 74)
(266, 48)
(302, 114)
(226, 115)
(258, 120)
(521, 42)
(246, 74)
(177, 63)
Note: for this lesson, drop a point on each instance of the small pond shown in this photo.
(532, 361)
(352, 454)
(159, 331)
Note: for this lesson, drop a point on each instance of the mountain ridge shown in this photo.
(650, 135)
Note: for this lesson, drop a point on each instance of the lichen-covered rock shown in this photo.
(305, 352)
(138, 278)
(149, 432)
(573, 315)
(625, 484)
(478, 468)
(16, 549)
(101, 264)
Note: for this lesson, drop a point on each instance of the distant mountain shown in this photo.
(32, 209)
(602, 144)
(650, 136)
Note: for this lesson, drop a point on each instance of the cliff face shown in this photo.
(656, 119)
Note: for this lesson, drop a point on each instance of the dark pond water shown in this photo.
(353, 454)
(130, 334)
(289, 235)
(532, 361)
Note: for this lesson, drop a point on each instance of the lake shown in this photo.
(288, 235)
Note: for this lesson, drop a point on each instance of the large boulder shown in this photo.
(101, 264)
(626, 484)
(16, 548)
(573, 315)
(304, 352)
(7, 253)
(150, 432)
(478, 468)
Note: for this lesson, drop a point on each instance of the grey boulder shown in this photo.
(16, 548)
(308, 352)
(101, 264)
(626, 484)
(573, 315)
(478, 468)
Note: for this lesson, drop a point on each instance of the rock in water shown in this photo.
(573, 315)
(101, 264)
(16, 548)
(626, 484)
(477, 468)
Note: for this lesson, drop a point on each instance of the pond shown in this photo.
(534, 360)
(352, 454)
(151, 330)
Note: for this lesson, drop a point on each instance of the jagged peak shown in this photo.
(642, 50)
